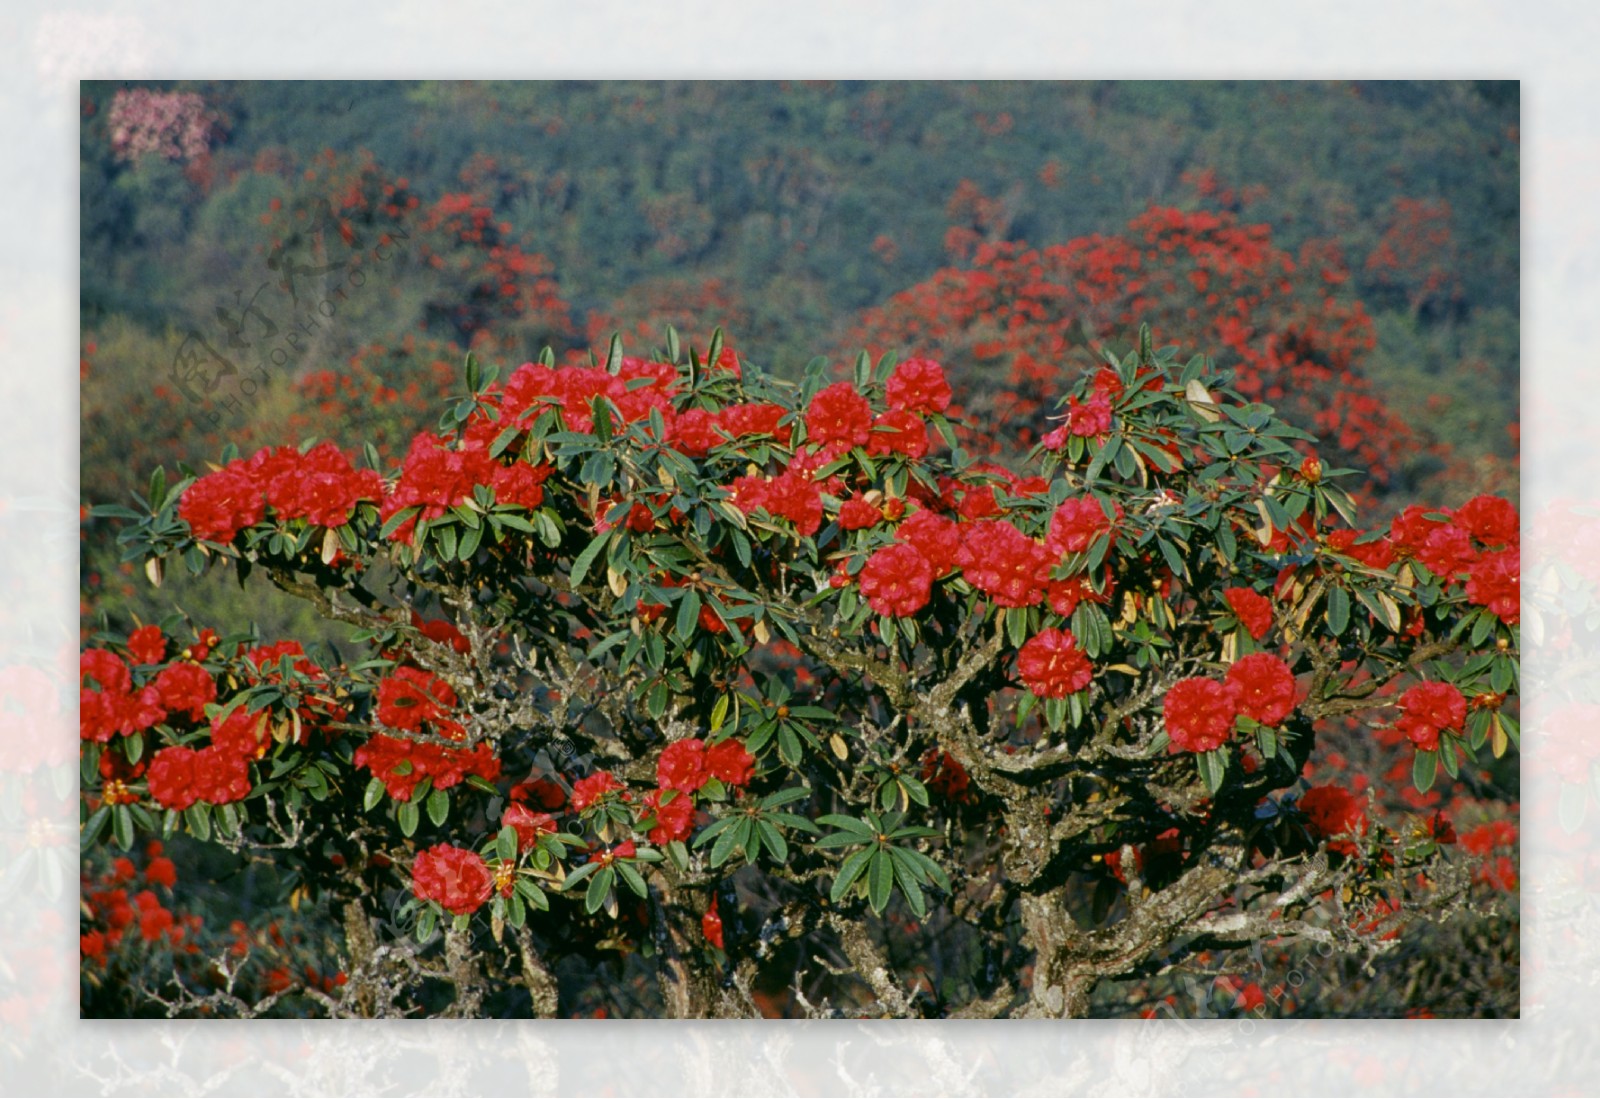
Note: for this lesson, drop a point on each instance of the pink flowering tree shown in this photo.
(677, 689)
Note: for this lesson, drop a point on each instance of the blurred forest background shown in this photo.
(274, 261)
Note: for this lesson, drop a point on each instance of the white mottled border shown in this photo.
(47, 47)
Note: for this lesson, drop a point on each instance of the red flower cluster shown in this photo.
(945, 776)
(1495, 581)
(898, 432)
(696, 431)
(711, 925)
(574, 390)
(320, 486)
(918, 385)
(454, 877)
(591, 789)
(897, 580)
(857, 513)
(529, 823)
(1199, 714)
(113, 706)
(687, 765)
(1076, 523)
(411, 698)
(1490, 520)
(1005, 564)
(1334, 811)
(674, 818)
(387, 757)
(1251, 608)
(187, 688)
(839, 415)
(791, 495)
(1263, 688)
(1052, 665)
(147, 645)
(1429, 709)
(181, 776)
(937, 538)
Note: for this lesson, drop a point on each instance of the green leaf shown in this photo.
(397, 520)
(580, 567)
(94, 826)
(438, 807)
(729, 841)
(849, 871)
(849, 824)
(688, 616)
(1338, 611)
(880, 879)
(122, 826)
(906, 874)
(1213, 767)
(374, 794)
(198, 818)
(158, 488)
(408, 817)
(632, 878)
(773, 840)
(614, 364)
(599, 889)
(1423, 770)
(505, 843)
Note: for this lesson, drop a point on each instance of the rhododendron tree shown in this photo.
(754, 697)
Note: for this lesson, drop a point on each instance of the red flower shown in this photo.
(221, 504)
(147, 645)
(1251, 608)
(1005, 564)
(1495, 581)
(181, 776)
(1447, 551)
(1490, 520)
(527, 822)
(186, 687)
(857, 513)
(938, 539)
(588, 791)
(898, 432)
(411, 696)
(1090, 418)
(1065, 595)
(729, 761)
(456, 878)
(1199, 714)
(743, 420)
(243, 733)
(682, 766)
(897, 580)
(1263, 687)
(1377, 554)
(519, 484)
(674, 819)
(946, 777)
(1053, 666)
(839, 414)
(711, 925)
(1076, 523)
(1334, 811)
(1429, 709)
(161, 871)
(106, 669)
(388, 757)
(694, 432)
(918, 385)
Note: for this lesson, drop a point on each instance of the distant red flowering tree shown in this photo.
(750, 696)
(1015, 321)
